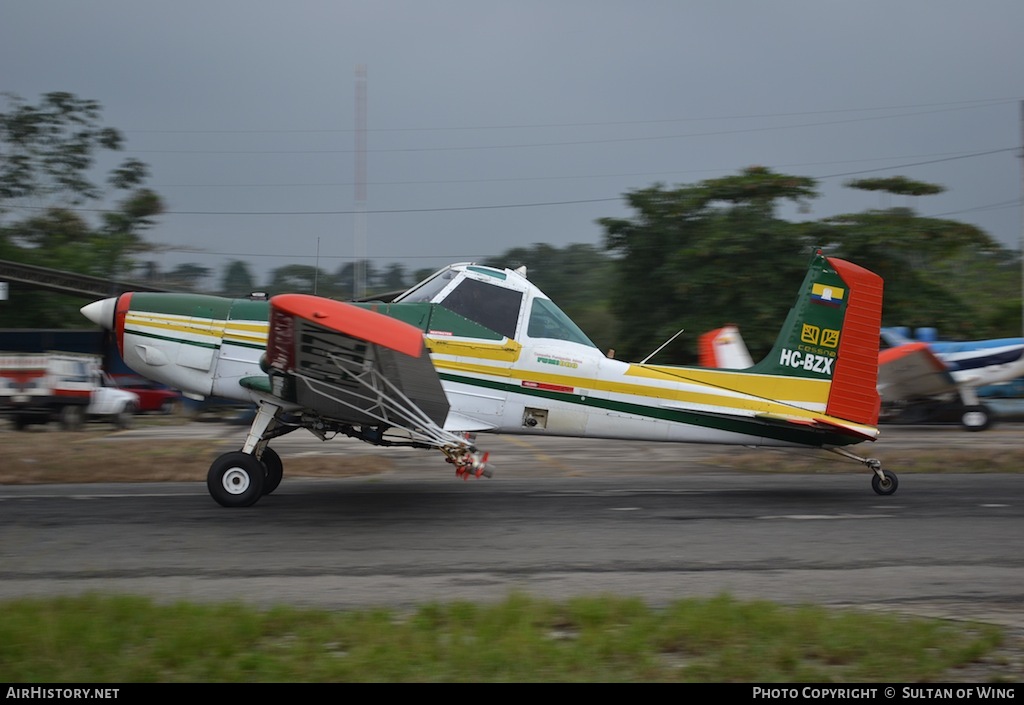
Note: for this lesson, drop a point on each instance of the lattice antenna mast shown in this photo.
(359, 268)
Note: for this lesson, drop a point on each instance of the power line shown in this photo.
(931, 161)
(958, 105)
(533, 145)
(344, 212)
(503, 205)
(1015, 203)
(574, 177)
(462, 256)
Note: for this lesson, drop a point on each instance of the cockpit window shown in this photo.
(427, 289)
(548, 321)
(492, 306)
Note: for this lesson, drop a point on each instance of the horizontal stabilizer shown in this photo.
(831, 425)
(866, 433)
(912, 371)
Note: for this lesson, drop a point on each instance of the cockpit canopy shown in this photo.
(502, 300)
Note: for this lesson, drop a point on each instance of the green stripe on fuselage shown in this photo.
(780, 431)
(174, 339)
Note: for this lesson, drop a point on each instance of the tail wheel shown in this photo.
(236, 479)
(885, 486)
(274, 469)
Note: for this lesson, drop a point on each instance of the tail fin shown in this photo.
(832, 333)
(723, 348)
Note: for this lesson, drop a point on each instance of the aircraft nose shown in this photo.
(101, 312)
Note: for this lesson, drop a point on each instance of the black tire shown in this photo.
(236, 479)
(976, 418)
(887, 486)
(72, 417)
(274, 467)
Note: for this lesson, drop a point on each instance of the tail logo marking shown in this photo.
(813, 335)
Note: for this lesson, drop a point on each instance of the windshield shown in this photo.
(548, 321)
(427, 289)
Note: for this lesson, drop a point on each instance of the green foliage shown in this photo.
(98, 639)
(296, 278)
(187, 277)
(899, 185)
(937, 273)
(48, 149)
(701, 256)
(47, 155)
(301, 278)
(698, 257)
(393, 278)
(342, 284)
(237, 280)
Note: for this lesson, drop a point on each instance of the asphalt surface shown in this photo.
(561, 517)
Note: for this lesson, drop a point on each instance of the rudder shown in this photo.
(832, 333)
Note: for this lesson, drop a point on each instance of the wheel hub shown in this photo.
(974, 418)
(235, 481)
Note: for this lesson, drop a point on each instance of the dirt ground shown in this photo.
(47, 455)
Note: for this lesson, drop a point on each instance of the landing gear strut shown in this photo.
(241, 477)
(883, 482)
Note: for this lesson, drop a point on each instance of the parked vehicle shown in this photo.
(36, 388)
(152, 397)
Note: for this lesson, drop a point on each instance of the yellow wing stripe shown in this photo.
(732, 399)
(771, 386)
(500, 352)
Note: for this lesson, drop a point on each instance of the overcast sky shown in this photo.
(495, 124)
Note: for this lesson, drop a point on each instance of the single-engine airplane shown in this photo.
(917, 379)
(476, 349)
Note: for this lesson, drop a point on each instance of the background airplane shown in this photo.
(477, 349)
(917, 380)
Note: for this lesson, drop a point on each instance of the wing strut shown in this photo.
(383, 401)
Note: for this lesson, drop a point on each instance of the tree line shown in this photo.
(692, 256)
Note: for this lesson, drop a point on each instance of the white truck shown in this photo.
(36, 388)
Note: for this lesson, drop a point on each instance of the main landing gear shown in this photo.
(241, 477)
(883, 482)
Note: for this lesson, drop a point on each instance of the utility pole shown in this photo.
(359, 268)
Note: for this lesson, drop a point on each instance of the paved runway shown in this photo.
(560, 518)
